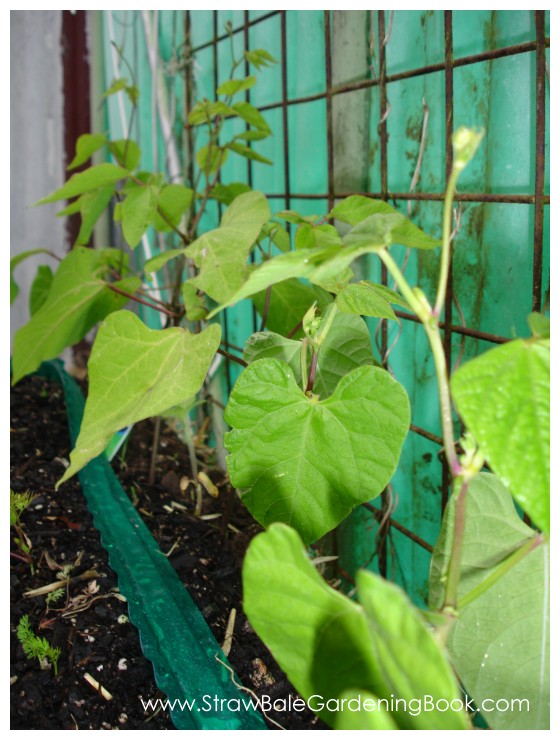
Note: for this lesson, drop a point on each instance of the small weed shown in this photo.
(37, 647)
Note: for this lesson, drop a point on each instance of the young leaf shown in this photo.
(539, 325)
(98, 176)
(133, 93)
(336, 283)
(134, 373)
(173, 201)
(367, 299)
(308, 462)
(77, 300)
(246, 152)
(14, 262)
(126, 152)
(328, 644)
(232, 87)
(309, 236)
(357, 208)
(371, 235)
(211, 158)
(260, 58)
(505, 657)
(138, 213)
(294, 217)
(268, 345)
(346, 347)
(205, 111)
(116, 86)
(277, 235)
(195, 305)
(302, 263)
(156, 263)
(253, 135)
(503, 397)
(92, 205)
(289, 301)
(226, 194)
(40, 288)
(251, 115)
(221, 254)
(86, 145)
(71, 208)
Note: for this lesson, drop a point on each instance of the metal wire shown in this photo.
(377, 77)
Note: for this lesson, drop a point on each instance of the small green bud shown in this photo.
(539, 325)
(311, 323)
(465, 143)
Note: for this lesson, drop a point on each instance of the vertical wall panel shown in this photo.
(493, 256)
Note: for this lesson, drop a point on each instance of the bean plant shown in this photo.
(317, 425)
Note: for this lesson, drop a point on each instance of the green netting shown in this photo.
(173, 633)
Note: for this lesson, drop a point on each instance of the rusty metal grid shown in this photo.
(538, 199)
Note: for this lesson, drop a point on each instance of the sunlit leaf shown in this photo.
(134, 373)
(503, 397)
(221, 254)
(138, 212)
(79, 297)
(98, 176)
(40, 288)
(310, 462)
(86, 146)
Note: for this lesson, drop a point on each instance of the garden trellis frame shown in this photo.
(276, 30)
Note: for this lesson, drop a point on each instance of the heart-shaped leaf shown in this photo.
(309, 462)
(346, 347)
(136, 372)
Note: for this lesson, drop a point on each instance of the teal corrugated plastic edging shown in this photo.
(173, 633)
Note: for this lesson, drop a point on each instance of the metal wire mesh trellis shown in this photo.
(366, 102)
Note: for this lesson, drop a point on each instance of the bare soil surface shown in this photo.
(88, 622)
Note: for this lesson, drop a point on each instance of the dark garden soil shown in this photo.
(89, 621)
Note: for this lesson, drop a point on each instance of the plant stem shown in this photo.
(446, 410)
(266, 308)
(446, 242)
(312, 371)
(504, 567)
(429, 318)
(454, 568)
(423, 310)
(402, 284)
(303, 362)
(136, 298)
(155, 446)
